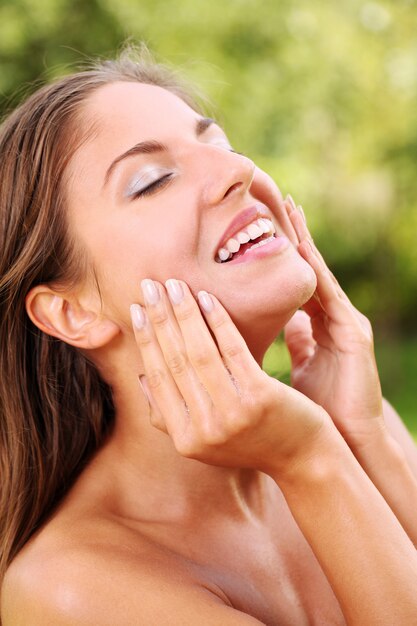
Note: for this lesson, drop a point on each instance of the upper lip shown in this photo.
(242, 219)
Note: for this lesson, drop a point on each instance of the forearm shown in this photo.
(384, 460)
(365, 553)
(400, 433)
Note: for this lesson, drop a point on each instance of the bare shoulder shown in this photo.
(90, 583)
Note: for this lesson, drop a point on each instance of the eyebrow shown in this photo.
(152, 146)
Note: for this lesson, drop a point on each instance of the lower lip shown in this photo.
(276, 245)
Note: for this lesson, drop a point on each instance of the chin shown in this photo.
(260, 314)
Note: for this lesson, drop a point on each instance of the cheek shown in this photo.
(117, 255)
(124, 252)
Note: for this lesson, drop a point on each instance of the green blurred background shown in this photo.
(321, 94)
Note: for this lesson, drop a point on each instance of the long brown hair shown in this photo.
(54, 408)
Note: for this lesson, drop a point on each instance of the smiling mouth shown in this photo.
(256, 234)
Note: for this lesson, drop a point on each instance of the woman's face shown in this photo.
(152, 194)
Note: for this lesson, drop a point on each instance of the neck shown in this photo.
(148, 474)
(148, 477)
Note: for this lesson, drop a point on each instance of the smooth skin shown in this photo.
(229, 498)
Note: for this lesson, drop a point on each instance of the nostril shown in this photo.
(232, 188)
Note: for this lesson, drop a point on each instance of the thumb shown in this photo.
(299, 338)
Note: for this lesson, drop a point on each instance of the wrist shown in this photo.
(380, 451)
(327, 454)
(370, 441)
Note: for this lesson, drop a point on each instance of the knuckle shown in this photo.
(214, 435)
(188, 447)
(367, 325)
(217, 439)
(237, 411)
(185, 313)
(367, 338)
(144, 339)
(262, 397)
(266, 398)
(201, 360)
(218, 321)
(159, 317)
(203, 443)
(155, 379)
(361, 337)
(232, 350)
(364, 329)
(177, 363)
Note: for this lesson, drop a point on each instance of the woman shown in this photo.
(205, 491)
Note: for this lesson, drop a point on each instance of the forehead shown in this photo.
(117, 116)
(151, 111)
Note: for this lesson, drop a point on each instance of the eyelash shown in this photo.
(153, 187)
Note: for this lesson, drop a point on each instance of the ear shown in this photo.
(68, 320)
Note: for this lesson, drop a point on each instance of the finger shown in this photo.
(202, 351)
(299, 225)
(163, 395)
(289, 207)
(313, 306)
(288, 227)
(272, 198)
(232, 347)
(329, 301)
(324, 289)
(173, 354)
(298, 336)
(333, 300)
(298, 220)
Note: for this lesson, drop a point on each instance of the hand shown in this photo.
(210, 395)
(331, 348)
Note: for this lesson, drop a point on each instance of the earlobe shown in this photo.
(68, 320)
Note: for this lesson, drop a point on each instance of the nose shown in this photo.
(227, 174)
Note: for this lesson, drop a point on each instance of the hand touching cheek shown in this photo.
(209, 394)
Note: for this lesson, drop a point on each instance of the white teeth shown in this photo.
(242, 237)
(259, 227)
(263, 223)
(232, 245)
(262, 242)
(269, 224)
(254, 231)
(223, 254)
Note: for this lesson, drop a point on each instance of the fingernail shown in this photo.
(300, 209)
(205, 301)
(175, 290)
(289, 198)
(150, 291)
(138, 316)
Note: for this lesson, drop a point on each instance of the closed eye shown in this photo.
(153, 187)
